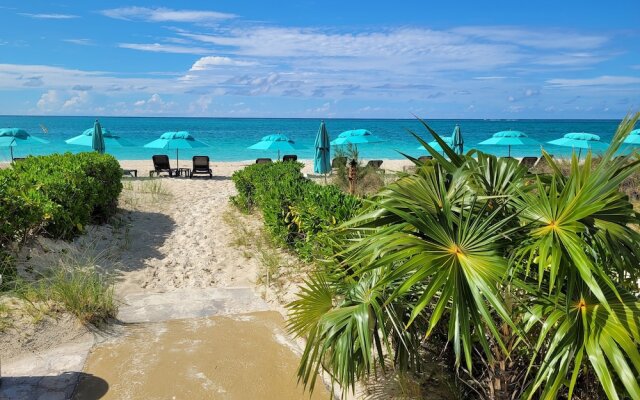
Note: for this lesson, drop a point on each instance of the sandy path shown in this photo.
(182, 240)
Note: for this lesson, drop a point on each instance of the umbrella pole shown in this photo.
(11, 150)
(509, 151)
(177, 160)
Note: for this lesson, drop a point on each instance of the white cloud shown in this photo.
(80, 42)
(162, 14)
(49, 100)
(81, 98)
(50, 16)
(209, 62)
(604, 80)
(164, 48)
(540, 39)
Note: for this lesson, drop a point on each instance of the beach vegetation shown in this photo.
(75, 285)
(529, 281)
(296, 211)
(369, 180)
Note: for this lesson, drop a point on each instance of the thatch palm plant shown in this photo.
(512, 265)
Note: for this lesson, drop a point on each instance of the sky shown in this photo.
(321, 59)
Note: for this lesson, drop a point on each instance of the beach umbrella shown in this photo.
(110, 139)
(581, 140)
(277, 142)
(436, 145)
(510, 138)
(457, 140)
(10, 137)
(633, 138)
(97, 141)
(355, 136)
(176, 140)
(322, 159)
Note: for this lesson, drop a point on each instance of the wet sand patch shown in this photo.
(230, 357)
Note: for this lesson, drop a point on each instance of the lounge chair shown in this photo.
(290, 157)
(263, 160)
(425, 158)
(338, 162)
(529, 162)
(374, 163)
(201, 166)
(161, 164)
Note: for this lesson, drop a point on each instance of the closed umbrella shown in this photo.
(457, 140)
(110, 139)
(97, 142)
(176, 140)
(322, 159)
(10, 137)
(581, 140)
(510, 138)
(277, 142)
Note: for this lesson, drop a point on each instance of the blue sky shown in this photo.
(380, 59)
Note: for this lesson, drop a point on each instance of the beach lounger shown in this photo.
(263, 160)
(201, 166)
(161, 164)
(529, 162)
(338, 161)
(289, 157)
(374, 163)
(425, 158)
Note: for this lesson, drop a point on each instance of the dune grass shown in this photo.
(74, 285)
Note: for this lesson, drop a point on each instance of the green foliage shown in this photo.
(532, 279)
(77, 288)
(57, 195)
(296, 211)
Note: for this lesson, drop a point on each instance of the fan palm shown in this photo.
(450, 245)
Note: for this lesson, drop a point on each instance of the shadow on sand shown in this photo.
(63, 386)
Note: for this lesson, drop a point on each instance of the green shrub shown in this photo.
(296, 211)
(80, 189)
(58, 194)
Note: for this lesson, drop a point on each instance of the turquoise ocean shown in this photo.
(229, 138)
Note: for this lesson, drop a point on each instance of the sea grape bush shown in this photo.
(296, 211)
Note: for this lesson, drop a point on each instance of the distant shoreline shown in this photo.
(310, 118)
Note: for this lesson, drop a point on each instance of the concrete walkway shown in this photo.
(54, 374)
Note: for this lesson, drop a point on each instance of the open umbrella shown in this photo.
(277, 142)
(510, 138)
(355, 136)
(457, 140)
(322, 159)
(633, 138)
(110, 139)
(581, 140)
(176, 140)
(10, 137)
(436, 145)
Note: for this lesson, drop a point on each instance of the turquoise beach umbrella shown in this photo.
(457, 140)
(633, 138)
(436, 145)
(110, 139)
(10, 137)
(510, 138)
(355, 136)
(176, 140)
(581, 140)
(322, 159)
(277, 142)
